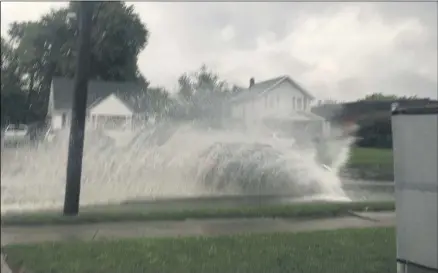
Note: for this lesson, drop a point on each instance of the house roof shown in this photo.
(263, 87)
(97, 91)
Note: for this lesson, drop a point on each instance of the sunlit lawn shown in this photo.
(342, 251)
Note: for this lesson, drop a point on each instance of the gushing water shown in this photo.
(171, 160)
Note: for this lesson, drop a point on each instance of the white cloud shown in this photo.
(228, 33)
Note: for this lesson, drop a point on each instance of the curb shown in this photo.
(357, 215)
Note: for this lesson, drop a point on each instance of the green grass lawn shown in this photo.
(366, 156)
(342, 251)
(140, 212)
(371, 164)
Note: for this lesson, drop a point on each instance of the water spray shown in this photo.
(172, 159)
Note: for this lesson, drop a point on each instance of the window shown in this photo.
(294, 103)
(64, 119)
(299, 103)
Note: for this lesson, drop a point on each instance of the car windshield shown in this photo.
(196, 136)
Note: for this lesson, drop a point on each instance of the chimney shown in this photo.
(251, 82)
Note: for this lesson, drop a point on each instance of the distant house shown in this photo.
(276, 100)
(110, 105)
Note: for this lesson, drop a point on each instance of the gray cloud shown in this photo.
(319, 44)
(336, 50)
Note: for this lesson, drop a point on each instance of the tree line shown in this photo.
(372, 114)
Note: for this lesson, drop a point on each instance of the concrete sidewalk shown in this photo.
(210, 227)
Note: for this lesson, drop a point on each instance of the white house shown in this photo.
(276, 100)
(108, 105)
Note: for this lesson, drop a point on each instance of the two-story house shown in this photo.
(278, 101)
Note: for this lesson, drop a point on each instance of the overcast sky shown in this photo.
(336, 50)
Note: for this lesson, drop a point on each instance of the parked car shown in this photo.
(15, 134)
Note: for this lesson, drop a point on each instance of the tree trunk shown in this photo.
(29, 112)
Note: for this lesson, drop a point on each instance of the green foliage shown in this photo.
(118, 36)
(375, 133)
(383, 97)
(155, 100)
(362, 156)
(47, 47)
(11, 74)
(13, 97)
(374, 119)
(341, 251)
(372, 114)
(202, 94)
(186, 89)
(201, 83)
(371, 164)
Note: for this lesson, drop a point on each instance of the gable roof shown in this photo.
(98, 103)
(263, 87)
(97, 91)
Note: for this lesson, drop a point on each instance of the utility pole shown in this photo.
(78, 114)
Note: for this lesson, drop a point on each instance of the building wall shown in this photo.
(57, 117)
(415, 171)
(57, 124)
(280, 102)
(110, 106)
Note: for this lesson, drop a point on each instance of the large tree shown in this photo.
(117, 39)
(48, 48)
(13, 98)
(202, 83)
(383, 97)
(202, 94)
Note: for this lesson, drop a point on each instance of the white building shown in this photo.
(277, 100)
(109, 105)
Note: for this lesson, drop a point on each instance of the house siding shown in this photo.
(111, 106)
(279, 102)
(57, 117)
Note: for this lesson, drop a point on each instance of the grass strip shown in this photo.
(140, 213)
